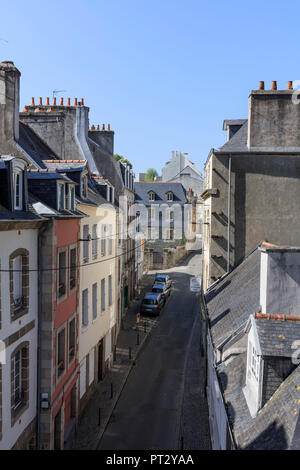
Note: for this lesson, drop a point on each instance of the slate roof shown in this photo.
(277, 336)
(34, 146)
(30, 215)
(65, 165)
(274, 427)
(231, 300)
(160, 189)
(238, 142)
(233, 122)
(51, 175)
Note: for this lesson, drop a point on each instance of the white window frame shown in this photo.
(95, 300)
(103, 300)
(60, 198)
(17, 280)
(95, 241)
(110, 290)
(151, 196)
(84, 308)
(85, 237)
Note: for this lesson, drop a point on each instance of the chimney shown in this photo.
(273, 119)
(105, 138)
(75, 101)
(279, 279)
(289, 85)
(274, 85)
(9, 103)
(69, 102)
(61, 102)
(261, 85)
(47, 101)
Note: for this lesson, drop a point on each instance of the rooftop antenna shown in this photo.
(57, 91)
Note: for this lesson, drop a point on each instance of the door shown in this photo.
(100, 360)
(57, 431)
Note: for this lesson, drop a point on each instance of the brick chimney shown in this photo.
(273, 118)
(9, 104)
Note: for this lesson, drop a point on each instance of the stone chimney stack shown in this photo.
(9, 103)
(273, 118)
(103, 137)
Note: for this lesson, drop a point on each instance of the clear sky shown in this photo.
(163, 73)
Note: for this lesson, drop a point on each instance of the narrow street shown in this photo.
(148, 414)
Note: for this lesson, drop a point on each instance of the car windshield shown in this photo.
(150, 301)
(161, 278)
(157, 289)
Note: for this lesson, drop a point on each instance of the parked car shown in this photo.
(162, 288)
(162, 278)
(152, 303)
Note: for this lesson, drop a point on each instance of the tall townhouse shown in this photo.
(251, 187)
(19, 227)
(53, 196)
(64, 126)
(98, 271)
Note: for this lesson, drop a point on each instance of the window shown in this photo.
(72, 198)
(110, 240)
(171, 215)
(73, 256)
(72, 339)
(84, 187)
(17, 283)
(95, 300)
(171, 234)
(67, 195)
(60, 361)
(103, 240)
(61, 196)
(95, 241)
(86, 238)
(62, 274)
(102, 295)
(151, 196)
(110, 289)
(18, 190)
(169, 196)
(19, 380)
(85, 308)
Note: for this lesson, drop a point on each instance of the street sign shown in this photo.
(195, 284)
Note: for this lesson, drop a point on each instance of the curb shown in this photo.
(106, 421)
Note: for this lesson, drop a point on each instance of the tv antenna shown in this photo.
(57, 91)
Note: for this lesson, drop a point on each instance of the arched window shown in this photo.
(169, 196)
(151, 196)
(18, 189)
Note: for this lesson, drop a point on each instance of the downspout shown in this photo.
(40, 284)
(229, 213)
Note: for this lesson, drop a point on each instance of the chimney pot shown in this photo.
(75, 101)
(41, 102)
(68, 101)
(54, 101)
(61, 102)
(82, 102)
(274, 85)
(93, 127)
(47, 101)
(290, 85)
(103, 127)
(32, 102)
(98, 127)
(108, 127)
(261, 85)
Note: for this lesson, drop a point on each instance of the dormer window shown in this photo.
(69, 197)
(169, 196)
(84, 187)
(61, 196)
(151, 196)
(18, 190)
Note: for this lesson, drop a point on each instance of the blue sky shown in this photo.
(163, 73)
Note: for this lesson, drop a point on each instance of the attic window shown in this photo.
(84, 188)
(151, 196)
(18, 190)
(61, 196)
(170, 196)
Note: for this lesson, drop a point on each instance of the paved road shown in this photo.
(148, 413)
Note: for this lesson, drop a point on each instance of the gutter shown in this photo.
(229, 212)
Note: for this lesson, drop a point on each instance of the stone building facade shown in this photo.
(251, 186)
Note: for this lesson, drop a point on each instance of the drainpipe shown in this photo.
(229, 212)
(40, 284)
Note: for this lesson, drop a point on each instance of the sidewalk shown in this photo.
(89, 432)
